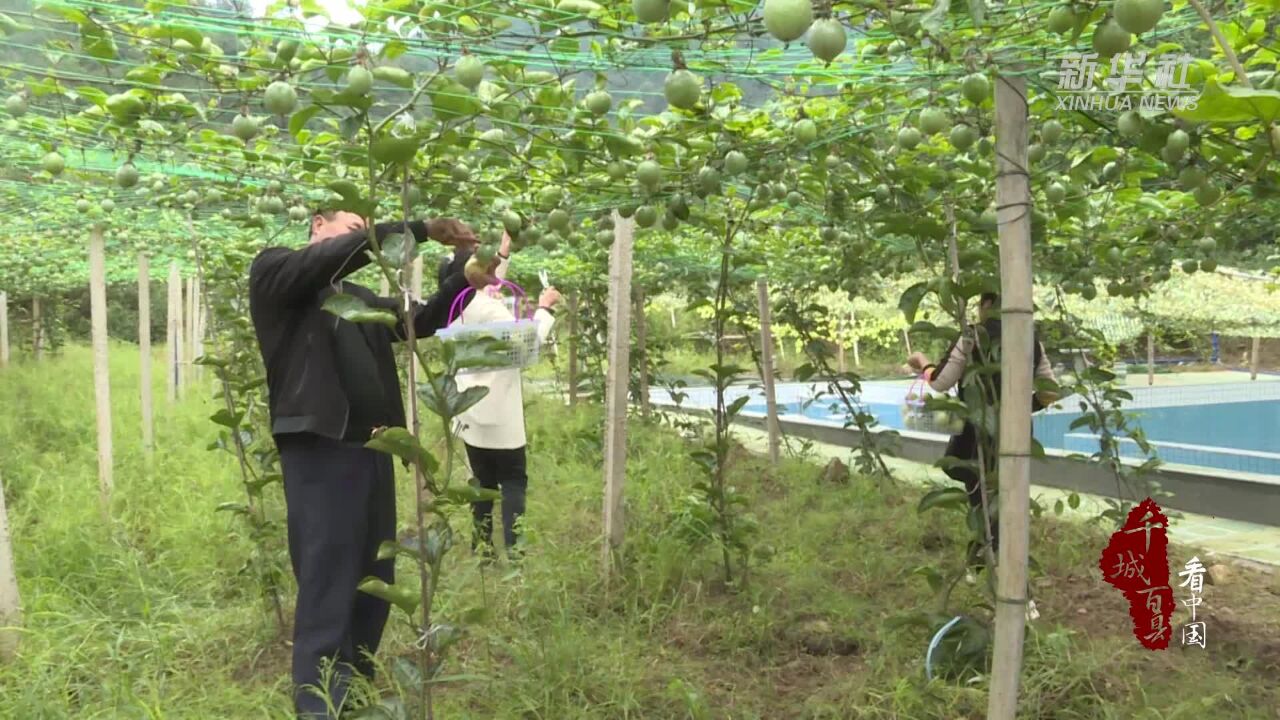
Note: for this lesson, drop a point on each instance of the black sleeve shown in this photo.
(432, 314)
(288, 277)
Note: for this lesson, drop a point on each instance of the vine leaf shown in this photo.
(943, 497)
(403, 444)
(353, 309)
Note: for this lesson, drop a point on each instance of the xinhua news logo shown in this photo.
(1169, 88)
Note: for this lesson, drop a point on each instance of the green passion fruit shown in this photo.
(512, 221)
(53, 163)
(963, 137)
(682, 89)
(1051, 131)
(651, 11)
(359, 80)
(827, 39)
(806, 131)
(1190, 178)
(646, 216)
(649, 173)
(1130, 124)
(1055, 193)
(1110, 39)
(932, 121)
(787, 20)
(280, 98)
(598, 102)
(975, 88)
(127, 176)
(1207, 194)
(735, 163)
(16, 105)
(908, 138)
(244, 127)
(1062, 20)
(1138, 16)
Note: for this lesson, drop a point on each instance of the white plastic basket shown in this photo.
(521, 334)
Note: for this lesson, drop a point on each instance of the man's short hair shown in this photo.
(989, 298)
(325, 213)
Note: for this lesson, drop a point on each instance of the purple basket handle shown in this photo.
(455, 309)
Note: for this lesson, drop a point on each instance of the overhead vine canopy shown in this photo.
(540, 115)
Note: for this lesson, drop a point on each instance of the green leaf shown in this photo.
(175, 32)
(451, 100)
(394, 75)
(1233, 104)
(300, 118)
(909, 303)
(353, 309)
(467, 494)
(390, 549)
(98, 42)
(407, 674)
(233, 507)
(224, 418)
(397, 251)
(943, 497)
(58, 9)
(92, 94)
(1073, 500)
(403, 444)
(932, 20)
(398, 595)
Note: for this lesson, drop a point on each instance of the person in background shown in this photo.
(950, 371)
(493, 429)
(330, 383)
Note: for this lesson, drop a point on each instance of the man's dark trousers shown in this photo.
(341, 507)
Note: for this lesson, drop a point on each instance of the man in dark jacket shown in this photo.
(331, 383)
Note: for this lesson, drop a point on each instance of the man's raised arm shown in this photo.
(288, 277)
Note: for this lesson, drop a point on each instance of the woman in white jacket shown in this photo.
(493, 429)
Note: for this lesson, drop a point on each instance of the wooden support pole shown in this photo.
(101, 373)
(415, 289)
(1255, 357)
(853, 328)
(615, 418)
(199, 321)
(641, 353)
(144, 349)
(37, 330)
(1013, 203)
(906, 338)
(572, 371)
(189, 334)
(10, 602)
(4, 329)
(1151, 357)
(766, 364)
(173, 336)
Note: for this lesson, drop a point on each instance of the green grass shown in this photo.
(148, 616)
